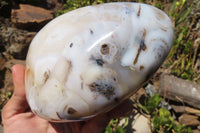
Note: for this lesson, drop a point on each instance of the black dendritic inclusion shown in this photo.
(99, 62)
(106, 90)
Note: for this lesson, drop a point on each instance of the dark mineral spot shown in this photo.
(137, 56)
(163, 29)
(100, 62)
(71, 111)
(142, 44)
(106, 90)
(71, 45)
(139, 10)
(141, 68)
(91, 31)
(105, 49)
(46, 76)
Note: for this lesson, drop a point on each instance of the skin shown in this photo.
(18, 118)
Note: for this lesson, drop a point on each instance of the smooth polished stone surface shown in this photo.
(87, 61)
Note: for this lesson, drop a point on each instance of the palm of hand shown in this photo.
(18, 118)
(30, 123)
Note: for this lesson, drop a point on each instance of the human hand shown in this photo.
(18, 118)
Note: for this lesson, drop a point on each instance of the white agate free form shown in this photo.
(87, 61)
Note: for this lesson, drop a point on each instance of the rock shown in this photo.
(14, 42)
(137, 123)
(109, 50)
(178, 109)
(151, 90)
(195, 131)
(30, 17)
(189, 120)
(19, 43)
(141, 124)
(180, 90)
(189, 110)
(139, 96)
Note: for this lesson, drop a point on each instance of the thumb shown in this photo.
(17, 104)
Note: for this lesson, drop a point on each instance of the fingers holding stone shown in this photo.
(17, 104)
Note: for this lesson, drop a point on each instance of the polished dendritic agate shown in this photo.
(87, 61)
